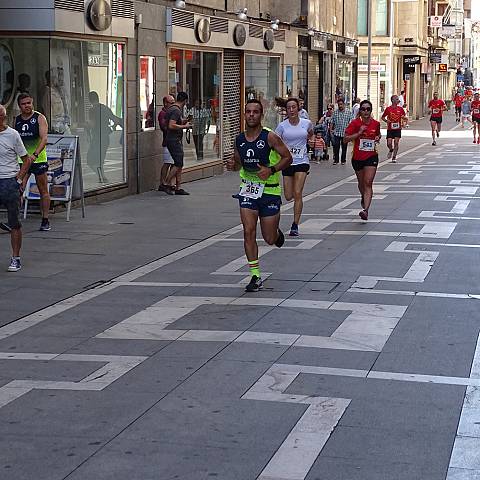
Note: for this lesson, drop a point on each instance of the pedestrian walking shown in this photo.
(168, 101)
(176, 124)
(395, 116)
(466, 112)
(11, 181)
(295, 132)
(340, 119)
(364, 131)
(356, 107)
(260, 154)
(33, 129)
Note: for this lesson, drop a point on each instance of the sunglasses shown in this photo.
(365, 109)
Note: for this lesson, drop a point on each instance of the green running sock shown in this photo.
(254, 268)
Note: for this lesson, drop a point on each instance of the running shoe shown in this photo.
(389, 155)
(438, 133)
(5, 226)
(255, 284)
(294, 230)
(45, 225)
(335, 163)
(363, 215)
(181, 191)
(394, 160)
(474, 140)
(280, 239)
(15, 265)
(434, 143)
(478, 141)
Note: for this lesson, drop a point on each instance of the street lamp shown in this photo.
(179, 4)
(242, 14)
(275, 24)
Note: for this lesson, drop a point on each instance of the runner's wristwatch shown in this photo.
(273, 170)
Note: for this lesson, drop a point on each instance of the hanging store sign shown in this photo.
(269, 39)
(318, 43)
(448, 31)
(436, 21)
(443, 67)
(239, 35)
(203, 31)
(435, 57)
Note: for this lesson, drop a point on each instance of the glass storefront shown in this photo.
(198, 74)
(262, 81)
(344, 80)
(79, 86)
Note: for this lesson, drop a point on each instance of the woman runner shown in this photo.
(295, 133)
(364, 131)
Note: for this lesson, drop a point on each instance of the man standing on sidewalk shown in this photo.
(340, 120)
(168, 101)
(33, 129)
(176, 124)
(11, 178)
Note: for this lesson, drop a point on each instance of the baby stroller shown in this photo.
(321, 139)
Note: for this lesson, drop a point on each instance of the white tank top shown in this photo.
(295, 138)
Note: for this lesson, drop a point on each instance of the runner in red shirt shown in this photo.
(476, 118)
(395, 116)
(436, 107)
(458, 99)
(364, 131)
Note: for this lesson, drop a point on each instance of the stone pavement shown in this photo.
(130, 351)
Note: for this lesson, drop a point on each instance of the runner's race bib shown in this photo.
(251, 189)
(395, 125)
(297, 152)
(436, 110)
(366, 145)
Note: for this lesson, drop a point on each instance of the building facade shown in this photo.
(126, 55)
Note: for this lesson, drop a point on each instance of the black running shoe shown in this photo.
(5, 226)
(45, 225)
(280, 239)
(255, 284)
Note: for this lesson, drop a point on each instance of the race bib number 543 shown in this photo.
(366, 145)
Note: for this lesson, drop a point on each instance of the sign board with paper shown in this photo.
(64, 172)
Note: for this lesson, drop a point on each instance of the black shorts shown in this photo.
(370, 162)
(267, 205)
(394, 133)
(476, 119)
(293, 169)
(38, 168)
(436, 119)
(175, 149)
(458, 109)
(10, 198)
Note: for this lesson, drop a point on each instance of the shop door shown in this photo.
(374, 90)
(313, 85)
(232, 95)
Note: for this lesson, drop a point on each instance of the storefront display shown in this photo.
(344, 83)
(79, 87)
(262, 82)
(198, 74)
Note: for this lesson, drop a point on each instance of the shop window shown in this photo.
(381, 18)
(84, 97)
(198, 74)
(262, 76)
(147, 92)
(362, 17)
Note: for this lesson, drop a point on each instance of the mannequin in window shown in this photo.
(54, 103)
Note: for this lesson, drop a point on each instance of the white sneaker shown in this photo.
(15, 265)
(394, 160)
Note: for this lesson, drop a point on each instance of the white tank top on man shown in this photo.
(295, 138)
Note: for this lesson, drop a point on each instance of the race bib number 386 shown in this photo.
(252, 189)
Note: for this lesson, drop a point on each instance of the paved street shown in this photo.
(130, 351)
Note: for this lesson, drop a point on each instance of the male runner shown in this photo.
(33, 128)
(394, 115)
(476, 118)
(458, 99)
(259, 154)
(436, 106)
